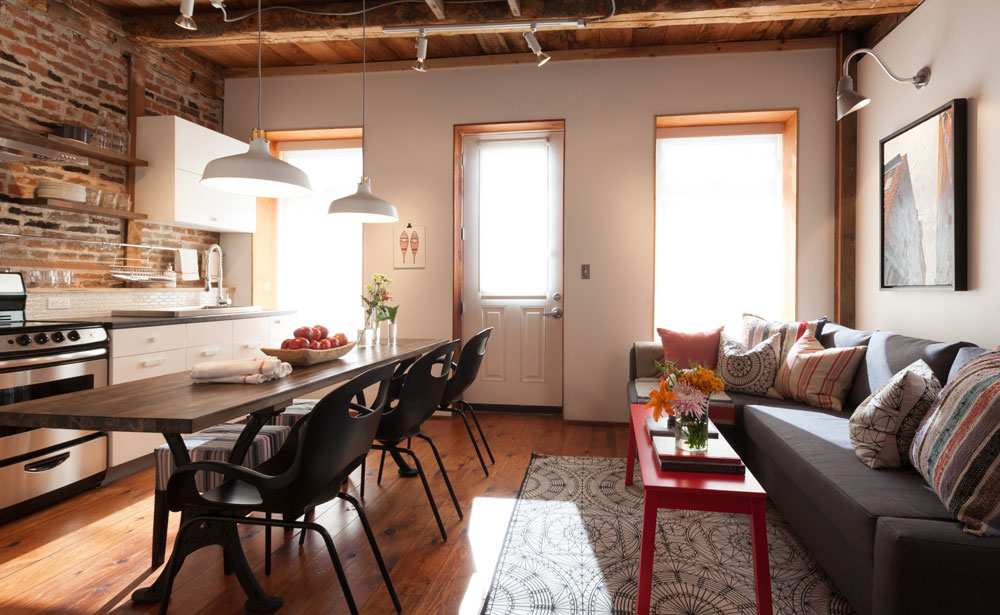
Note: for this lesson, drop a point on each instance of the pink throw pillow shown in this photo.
(682, 348)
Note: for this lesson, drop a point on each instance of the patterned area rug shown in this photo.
(572, 548)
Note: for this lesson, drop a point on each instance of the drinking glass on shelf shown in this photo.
(66, 277)
(125, 201)
(125, 136)
(94, 197)
(109, 200)
(103, 130)
(53, 278)
(34, 278)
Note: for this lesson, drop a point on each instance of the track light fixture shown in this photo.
(185, 19)
(535, 47)
(848, 99)
(421, 64)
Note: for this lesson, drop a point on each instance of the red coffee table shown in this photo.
(693, 491)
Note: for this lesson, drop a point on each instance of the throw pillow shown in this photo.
(683, 348)
(957, 448)
(757, 329)
(749, 371)
(816, 375)
(883, 426)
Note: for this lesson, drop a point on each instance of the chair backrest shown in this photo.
(330, 444)
(469, 361)
(420, 394)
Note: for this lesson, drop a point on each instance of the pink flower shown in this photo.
(689, 401)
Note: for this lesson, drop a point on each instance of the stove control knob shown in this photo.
(24, 340)
(41, 338)
(74, 336)
(58, 337)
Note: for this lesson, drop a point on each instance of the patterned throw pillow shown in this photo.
(816, 375)
(757, 329)
(883, 426)
(749, 371)
(957, 448)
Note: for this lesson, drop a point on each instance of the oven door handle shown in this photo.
(46, 464)
(53, 358)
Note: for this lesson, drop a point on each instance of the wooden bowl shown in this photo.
(304, 356)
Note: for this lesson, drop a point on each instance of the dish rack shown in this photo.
(137, 269)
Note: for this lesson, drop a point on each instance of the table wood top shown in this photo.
(175, 404)
(655, 479)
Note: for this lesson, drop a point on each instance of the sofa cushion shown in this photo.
(957, 448)
(889, 353)
(817, 375)
(839, 336)
(814, 448)
(683, 348)
(883, 426)
(964, 355)
(751, 370)
(643, 356)
(757, 329)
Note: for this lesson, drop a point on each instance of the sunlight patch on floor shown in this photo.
(487, 529)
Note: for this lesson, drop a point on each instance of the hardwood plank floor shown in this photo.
(86, 555)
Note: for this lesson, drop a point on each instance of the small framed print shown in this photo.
(409, 247)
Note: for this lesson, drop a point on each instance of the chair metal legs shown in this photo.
(381, 465)
(375, 550)
(444, 473)
(363, 459)
(482, 435)
(423, 479)
(460, 412)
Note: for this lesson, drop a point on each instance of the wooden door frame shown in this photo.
(458, 182)
(789, 118)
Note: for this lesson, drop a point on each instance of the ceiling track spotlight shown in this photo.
(529, 36)
(849, 100)
(185, 19)
(421, 64)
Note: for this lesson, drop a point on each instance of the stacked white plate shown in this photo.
(62, 191)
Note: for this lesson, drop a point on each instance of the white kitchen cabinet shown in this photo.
(281, 329)
(169, 189)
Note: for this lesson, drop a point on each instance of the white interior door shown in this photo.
(513, 265)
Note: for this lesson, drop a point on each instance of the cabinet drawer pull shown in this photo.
(152, 340)
(213, 218)
(251, 346)
(46, 464)
(209, 353)
(153, 362)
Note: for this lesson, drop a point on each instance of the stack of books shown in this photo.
(720, 458)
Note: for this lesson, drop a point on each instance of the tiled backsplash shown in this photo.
(102, 302)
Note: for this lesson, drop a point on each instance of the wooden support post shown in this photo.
(845, 199)
(136, 109)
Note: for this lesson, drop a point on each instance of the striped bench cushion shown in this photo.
(298, 409)
(215, 444)
(816, 375)
(957, 448)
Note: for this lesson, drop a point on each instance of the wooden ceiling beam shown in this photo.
(529, 58)
(436, 7)
(291, 27)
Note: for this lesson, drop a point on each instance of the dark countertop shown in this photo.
(130, 322)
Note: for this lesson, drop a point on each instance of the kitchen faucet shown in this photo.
(223, 295)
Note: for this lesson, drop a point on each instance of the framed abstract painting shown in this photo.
(923, 202)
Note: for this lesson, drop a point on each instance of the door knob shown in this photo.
(555, 313)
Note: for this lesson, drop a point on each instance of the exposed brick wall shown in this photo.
(65, 62)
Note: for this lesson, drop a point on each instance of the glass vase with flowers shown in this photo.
(374, 300)
(683, 394)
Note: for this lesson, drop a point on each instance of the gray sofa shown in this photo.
(883, 536)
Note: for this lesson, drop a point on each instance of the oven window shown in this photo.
(13, 395)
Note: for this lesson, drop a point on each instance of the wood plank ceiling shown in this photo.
(639, 27)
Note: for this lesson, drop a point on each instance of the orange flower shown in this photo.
(702, 379)
(659, 401)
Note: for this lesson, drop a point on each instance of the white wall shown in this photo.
(958, 39)
(609, 108)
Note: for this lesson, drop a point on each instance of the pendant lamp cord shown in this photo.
(260, 78)
(364, 58)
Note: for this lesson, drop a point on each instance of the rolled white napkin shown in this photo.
(249, 371)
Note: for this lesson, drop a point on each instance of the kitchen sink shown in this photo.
(182, 312)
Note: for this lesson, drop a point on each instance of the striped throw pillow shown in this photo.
(757, 329)
(957, 448)
(816, 375)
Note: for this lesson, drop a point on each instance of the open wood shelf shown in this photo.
(92, 151)
(83, 208)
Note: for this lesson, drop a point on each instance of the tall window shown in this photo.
(724, 244)
(319, 255)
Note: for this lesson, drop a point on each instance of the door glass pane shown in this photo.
(720, 235)
(513, 218)
(319, 255)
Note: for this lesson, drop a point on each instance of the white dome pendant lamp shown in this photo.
(364, 206)
(257, 172)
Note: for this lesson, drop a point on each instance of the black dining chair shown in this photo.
(419, 397)
(321, 450)
(464, 373)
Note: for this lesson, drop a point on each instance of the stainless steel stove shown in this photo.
(41, 359)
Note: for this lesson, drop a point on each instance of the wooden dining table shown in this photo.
(174, 405)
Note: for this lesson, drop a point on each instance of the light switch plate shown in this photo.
(584, 272)
(58, 303)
